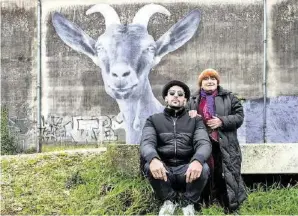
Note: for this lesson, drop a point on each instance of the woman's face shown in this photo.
(209, 83)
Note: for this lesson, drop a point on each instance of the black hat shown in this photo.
(175, 83)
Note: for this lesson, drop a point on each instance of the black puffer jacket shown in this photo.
(230, 111)
(175, 138)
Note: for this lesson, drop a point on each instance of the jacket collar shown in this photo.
(173, 112)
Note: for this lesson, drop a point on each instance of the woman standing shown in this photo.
(223, 114)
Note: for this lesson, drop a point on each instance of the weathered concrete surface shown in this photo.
(282, 81)
(281, 121)
(18, 57)
(270, 158)
(282, 48)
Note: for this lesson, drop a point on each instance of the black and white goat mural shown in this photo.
(126, 54)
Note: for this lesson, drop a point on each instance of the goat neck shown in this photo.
(135, 111)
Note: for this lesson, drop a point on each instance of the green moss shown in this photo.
(9, 145)
(65, 146)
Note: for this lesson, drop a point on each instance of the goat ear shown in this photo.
(73, 35)
(178, 34)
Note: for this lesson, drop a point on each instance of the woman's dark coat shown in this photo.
(230, 111)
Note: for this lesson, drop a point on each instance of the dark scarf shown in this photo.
(207, 110)
(210, 98)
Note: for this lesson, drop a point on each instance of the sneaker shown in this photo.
(189, 210)
(167, 208)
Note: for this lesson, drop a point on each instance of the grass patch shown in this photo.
(273, 200)
(71, 184)
(90, 183)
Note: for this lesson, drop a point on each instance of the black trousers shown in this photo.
(177, 183)
(219, 189)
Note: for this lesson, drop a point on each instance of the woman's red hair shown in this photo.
(208, 73)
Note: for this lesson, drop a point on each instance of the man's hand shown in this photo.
(194, 171)
(193, 113)
(214, 122)
(158, 170)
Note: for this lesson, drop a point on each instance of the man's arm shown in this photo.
(202, 146)
(191, 107)
(201, 142)
(191, 104)
(149, 141)
(149, 153)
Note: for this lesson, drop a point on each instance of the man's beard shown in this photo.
(175, 107)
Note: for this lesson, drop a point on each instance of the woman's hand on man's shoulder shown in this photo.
(193, 114)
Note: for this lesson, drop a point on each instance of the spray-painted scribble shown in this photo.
(126, 54)
(79, 129)
(21, 127)
(18, 129)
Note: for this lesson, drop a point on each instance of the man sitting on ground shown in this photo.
(175, 148)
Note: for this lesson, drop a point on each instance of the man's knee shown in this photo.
(204, 175)
(146, 170)
(205, 171)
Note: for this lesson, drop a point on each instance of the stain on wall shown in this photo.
(283, 48)
(18, 40)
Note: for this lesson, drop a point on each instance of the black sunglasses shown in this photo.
(173, 92)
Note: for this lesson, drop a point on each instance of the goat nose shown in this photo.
(125, 74)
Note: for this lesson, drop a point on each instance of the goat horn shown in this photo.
(143, 15)
(110, 15)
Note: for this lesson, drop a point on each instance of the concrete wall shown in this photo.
(76, 106)
(282, 88)
(282, 71)
(18, 60)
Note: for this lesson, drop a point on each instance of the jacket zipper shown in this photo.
(174, 121)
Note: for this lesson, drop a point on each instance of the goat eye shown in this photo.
(151, 49)
(99, 49)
